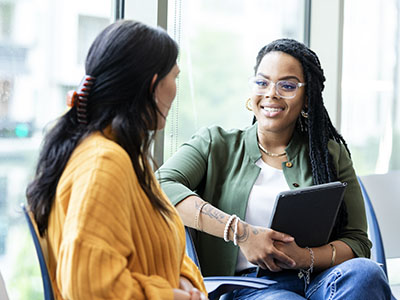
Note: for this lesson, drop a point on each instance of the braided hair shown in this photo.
(318, 126)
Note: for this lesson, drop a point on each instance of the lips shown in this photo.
(272, 110)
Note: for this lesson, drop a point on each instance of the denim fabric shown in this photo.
(355, 279)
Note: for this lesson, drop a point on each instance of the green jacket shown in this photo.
(219, 166)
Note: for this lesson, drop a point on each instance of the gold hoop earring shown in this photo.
(248, 106)
(304, 114)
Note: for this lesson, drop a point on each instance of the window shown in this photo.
(218, 48)
(88, 28)
(39, 60)
(370, 90)
(370, 86)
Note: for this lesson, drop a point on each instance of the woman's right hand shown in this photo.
(257, 245)
(194, 294)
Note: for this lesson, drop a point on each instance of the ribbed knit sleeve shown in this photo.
(107, 240)
(191, 272)
(89, 272)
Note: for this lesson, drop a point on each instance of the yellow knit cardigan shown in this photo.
(104, 239)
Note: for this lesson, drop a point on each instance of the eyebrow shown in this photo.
(282, 78)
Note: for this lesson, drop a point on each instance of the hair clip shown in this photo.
(71, 98)
(82, 98)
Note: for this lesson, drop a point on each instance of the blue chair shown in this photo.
(218, 286)
(377, 251)
(48, 290)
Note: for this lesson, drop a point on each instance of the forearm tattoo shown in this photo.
(212, 212)
(245, 234)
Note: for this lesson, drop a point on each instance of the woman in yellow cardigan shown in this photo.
(111, 232)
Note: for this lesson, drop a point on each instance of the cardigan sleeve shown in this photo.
(355, 232)
(97, 238)
(182, 173)
(191, 272)
(89, 271)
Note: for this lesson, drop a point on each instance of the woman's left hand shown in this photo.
(300, 255)
(186, 285)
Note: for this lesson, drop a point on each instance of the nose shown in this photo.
(270, 91)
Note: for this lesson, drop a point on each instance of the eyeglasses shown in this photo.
(284, 88)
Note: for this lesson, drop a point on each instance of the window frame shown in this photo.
(156, 14)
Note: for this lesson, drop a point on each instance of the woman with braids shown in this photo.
(110, 231)
(225, 182)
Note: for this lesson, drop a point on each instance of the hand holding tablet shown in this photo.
(308, 214)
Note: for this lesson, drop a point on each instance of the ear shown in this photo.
(153, 81)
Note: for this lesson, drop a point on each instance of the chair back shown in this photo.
(378, 250)
(3, 290)
(48, 290)
(190, 248)
(384, 192)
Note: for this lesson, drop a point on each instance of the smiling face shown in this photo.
(274, 113)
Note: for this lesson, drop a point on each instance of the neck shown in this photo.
(274, 142)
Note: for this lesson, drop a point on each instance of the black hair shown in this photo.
(318, 126)
(123, 58)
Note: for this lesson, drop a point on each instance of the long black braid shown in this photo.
(318, 126)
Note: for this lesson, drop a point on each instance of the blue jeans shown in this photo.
(355, 279)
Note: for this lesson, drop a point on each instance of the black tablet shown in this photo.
(308, 214)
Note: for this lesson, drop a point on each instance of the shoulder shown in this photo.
(98, 173)
(217, 133)
(102, 148)
(341, 160)
(337, 150)
(217, 140)
(98, 154)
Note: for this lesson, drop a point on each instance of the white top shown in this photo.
(269, 183)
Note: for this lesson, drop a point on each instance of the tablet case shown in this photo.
(308, 214)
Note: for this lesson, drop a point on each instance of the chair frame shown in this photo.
(47, 287)
(377, 251)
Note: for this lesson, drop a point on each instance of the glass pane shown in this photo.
(43, 44)
(370, 86)
(370, 91)
(219, 42)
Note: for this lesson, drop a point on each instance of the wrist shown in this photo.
(333, 258)
(239, 232)
(233, 231)
(238, 228)
(306, 272)
(185, 284)
(305, 259)
(229, 229)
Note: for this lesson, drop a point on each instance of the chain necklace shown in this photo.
(270, 153)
